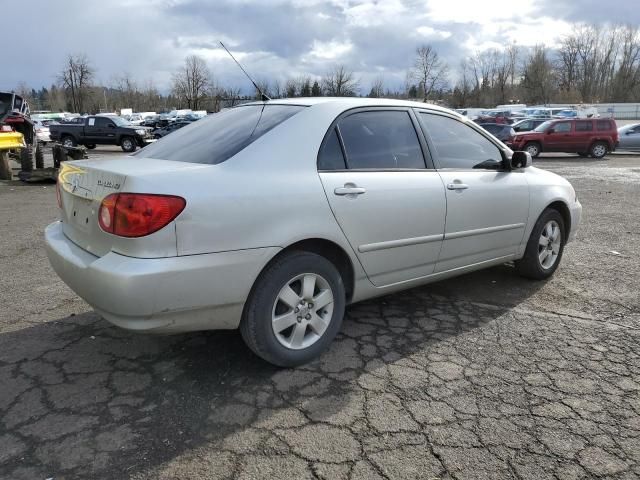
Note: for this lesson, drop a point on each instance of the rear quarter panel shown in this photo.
(268, 195)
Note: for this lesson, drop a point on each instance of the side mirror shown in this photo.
(111, 125)
(551, 130)
(521, 160)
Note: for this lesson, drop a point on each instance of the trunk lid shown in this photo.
(83, 184)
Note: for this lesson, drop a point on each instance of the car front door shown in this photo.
(487, 206)
(559, 139)
(389, 203)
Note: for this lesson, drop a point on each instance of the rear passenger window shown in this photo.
(381, 140)
(331, 156)
(603, 125)
(584, 126)
(458, 145)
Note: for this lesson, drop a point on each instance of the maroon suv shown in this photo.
(585, 137)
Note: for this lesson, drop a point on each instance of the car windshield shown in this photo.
(542, 127)
(119, 121)
(219, 137)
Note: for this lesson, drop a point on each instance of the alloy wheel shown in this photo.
(302, 311)
(549, 244)
(599, 151)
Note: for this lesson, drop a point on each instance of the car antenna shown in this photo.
(263, 96)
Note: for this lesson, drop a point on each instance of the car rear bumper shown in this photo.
(160, 295)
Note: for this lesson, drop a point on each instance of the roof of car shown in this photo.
(354, 102)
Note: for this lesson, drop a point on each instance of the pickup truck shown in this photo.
(99, 130)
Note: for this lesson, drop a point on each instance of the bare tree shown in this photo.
(429, 70)
(464, 85)
(76, 77)
(626, 81)
(192, 82)
(126, 93)
(291, 88)
(505, 66)
(538, 76)
(377, 87)
(231, 96)
(340, 82)
(264, 87)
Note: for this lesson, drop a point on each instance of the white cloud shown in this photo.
(477, 11)
(331, 50)
(430, 32)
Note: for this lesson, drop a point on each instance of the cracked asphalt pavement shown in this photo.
(484, 376)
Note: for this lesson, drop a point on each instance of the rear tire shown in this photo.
(69, 141)
(293, 332)
(128, 144)
(26, 158)
(599, 149)
(533, 148)
(39, 155)
(544, 248)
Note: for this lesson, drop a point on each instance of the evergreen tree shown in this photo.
(315, 90)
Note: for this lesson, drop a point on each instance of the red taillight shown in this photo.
(138, 214)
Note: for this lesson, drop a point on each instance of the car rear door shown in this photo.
(389, 203)
(581, 138)
(487, 206)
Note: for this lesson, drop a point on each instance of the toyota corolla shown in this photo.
(271, 217)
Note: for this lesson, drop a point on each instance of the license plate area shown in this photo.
(81, 213)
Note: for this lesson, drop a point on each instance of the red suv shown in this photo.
(585, 137)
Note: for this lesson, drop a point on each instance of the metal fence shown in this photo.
(620, 111)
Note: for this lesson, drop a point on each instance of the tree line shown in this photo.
(589, 64)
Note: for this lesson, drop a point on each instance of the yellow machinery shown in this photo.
(8, 141)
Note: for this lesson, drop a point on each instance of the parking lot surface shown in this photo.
(484, 376)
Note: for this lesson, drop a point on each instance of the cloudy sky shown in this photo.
(275, 38)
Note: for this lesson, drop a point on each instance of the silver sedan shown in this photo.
(272, 217)
(629, 138)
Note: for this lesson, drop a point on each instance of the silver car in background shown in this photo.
(272, 217)
(629, 138)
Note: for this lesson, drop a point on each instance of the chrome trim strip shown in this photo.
(480, 231)
(403, 242)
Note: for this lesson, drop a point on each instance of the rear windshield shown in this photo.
(218, 137)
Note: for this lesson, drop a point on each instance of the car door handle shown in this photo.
(457, 186)
(349, 190)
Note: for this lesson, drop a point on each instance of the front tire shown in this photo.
(545, 247)
(128, 144)
(533, 148)
(295, 309)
